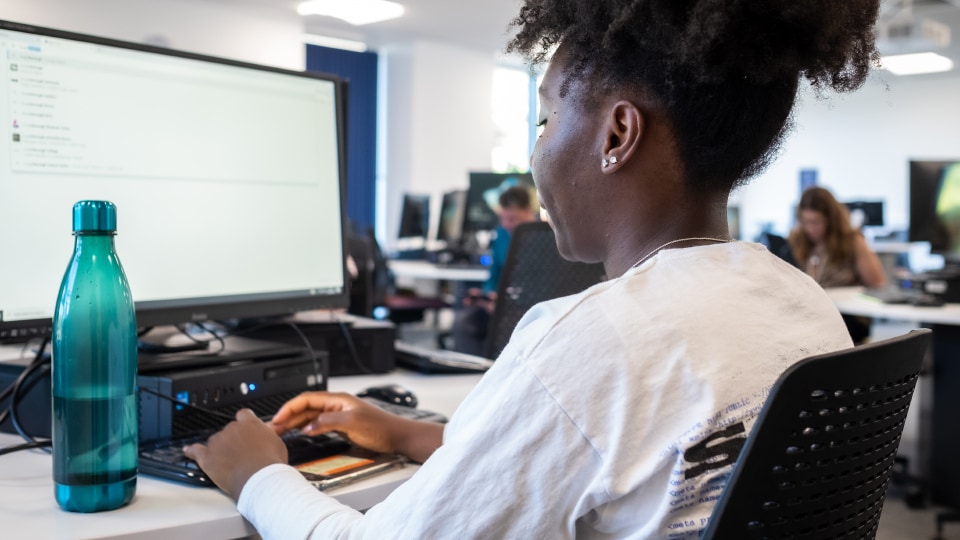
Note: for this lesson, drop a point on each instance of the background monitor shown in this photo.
(450, 224)
(935, 206)
(866, 213)
(414, 216)
(227, 177)
(483, 198)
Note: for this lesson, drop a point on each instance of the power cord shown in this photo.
(348, 338)
(30, 376)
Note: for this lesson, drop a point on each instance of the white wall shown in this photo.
(859, 144)
(439, 126)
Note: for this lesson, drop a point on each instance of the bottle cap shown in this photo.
(94, 216)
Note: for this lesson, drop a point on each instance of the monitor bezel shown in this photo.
(225, 308)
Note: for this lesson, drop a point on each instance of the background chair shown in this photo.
(533, 272)
(373, 291)
(818, 460)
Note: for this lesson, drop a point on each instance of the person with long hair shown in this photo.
(617, 412)
(828, 248)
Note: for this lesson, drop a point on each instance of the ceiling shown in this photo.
(484, 24)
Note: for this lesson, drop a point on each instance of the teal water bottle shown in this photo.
(94, 371)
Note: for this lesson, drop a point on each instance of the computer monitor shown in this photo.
(935, 206)
(866, 213)
(227, 177)
(450, 224)
(414, 216)
(484, 194)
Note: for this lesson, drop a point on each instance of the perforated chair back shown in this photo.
(533, 272)
(816, 465)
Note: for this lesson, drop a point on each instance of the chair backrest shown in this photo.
(533, 272)
(817, 462)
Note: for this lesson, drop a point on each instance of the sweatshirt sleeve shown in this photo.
(491, 477)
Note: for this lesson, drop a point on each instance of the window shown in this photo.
(514, 118)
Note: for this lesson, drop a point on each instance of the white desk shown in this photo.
(425, 270)
(163, 510)
(939, 430)
(852, 301)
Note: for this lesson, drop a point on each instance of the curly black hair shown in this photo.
(725, 71)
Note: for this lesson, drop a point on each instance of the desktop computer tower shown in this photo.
(261, 385)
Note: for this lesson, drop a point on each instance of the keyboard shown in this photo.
(430, 360)
(165, 459)
(896, 295)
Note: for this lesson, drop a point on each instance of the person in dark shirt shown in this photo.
(470, 326)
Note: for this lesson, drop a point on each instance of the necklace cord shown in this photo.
(677, 241)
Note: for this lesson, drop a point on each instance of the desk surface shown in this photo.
(427, 270)
(162, 510)
(852, 301)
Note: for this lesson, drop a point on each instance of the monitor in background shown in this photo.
(865, 213)
(450, 224)
(414, 216)
(935, 206)
(227, 177)
(483, 198)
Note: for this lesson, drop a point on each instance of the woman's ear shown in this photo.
(625, 129)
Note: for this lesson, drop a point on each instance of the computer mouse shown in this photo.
(391, 393)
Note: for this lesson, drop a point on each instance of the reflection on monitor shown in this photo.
(865, 213)
(227, 178)
(935, 206)
(451, 217)
(414, 216)
(484, 194)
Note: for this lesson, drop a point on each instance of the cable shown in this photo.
(25, 446)
(345, 330)
(317, 373)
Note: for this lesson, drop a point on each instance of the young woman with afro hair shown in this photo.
(617, 412)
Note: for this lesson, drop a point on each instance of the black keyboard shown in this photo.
(165, 459)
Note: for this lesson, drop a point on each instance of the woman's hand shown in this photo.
(362, 423)
(231, 456)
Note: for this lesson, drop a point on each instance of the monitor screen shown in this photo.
(935, 206)
(451, 216)
(484, 194)
(414, 216)
(227, 178)
(865, 213)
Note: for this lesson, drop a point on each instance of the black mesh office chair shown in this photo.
(817, 462)
(533, 272)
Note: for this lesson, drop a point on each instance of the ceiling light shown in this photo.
(915, 64)
(355, 12)
(335, 43)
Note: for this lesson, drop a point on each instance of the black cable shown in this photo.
(317, 373)
(217, 337)
(345, 330)
(24, 446)
(22, 386)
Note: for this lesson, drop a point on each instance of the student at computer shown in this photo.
(831, 251)
(616, 412)
(469, 329)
